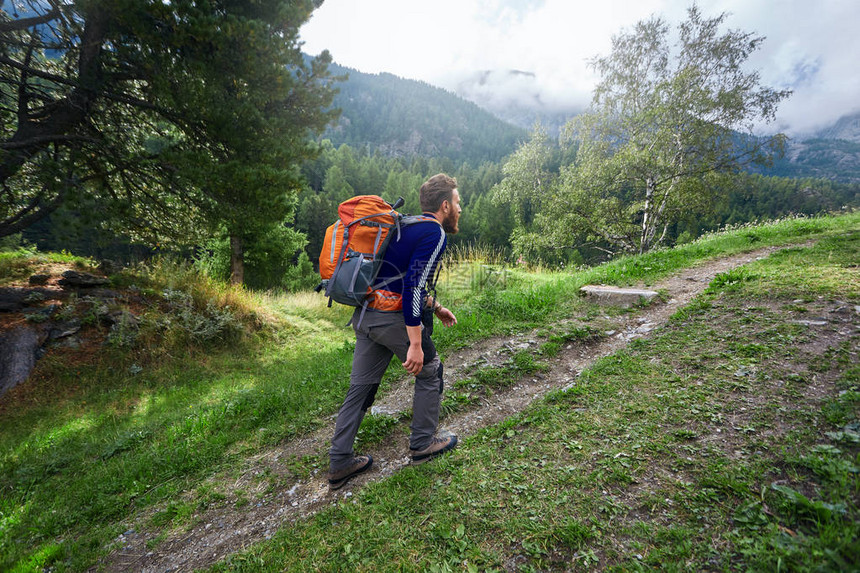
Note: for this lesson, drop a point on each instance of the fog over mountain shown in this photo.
(515, 96)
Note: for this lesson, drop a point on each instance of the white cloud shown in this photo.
(810, 46)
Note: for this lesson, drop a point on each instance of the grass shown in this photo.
(704, 448)
(623, 471)
(484, 381)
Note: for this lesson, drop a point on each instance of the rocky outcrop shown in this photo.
(18, 352)
(76, 279)
(41, 316)
(21, 346)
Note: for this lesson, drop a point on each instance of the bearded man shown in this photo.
(401, 324)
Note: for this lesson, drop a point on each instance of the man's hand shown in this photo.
(414, 359)
(446, 316)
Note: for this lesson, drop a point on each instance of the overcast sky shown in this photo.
(811, 46)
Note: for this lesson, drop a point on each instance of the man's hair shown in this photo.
(435, 191)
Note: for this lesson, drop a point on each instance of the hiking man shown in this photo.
(399, 321)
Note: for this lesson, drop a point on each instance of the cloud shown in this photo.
(810, 48)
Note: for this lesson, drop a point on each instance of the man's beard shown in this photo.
(449, 223)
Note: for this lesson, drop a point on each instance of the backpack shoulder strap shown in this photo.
(412, 219)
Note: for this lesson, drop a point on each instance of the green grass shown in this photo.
(92, 447)
(699, 449)
(483, 381)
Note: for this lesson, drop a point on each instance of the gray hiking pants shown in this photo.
(380, 336)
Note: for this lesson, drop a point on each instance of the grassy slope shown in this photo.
(612, 470)
(727, 442)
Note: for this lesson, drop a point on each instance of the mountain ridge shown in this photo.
(491, 112)
(401, 118)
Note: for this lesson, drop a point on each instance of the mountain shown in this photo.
(831, 153)
(493, 111)
(403, 118)
(846, 128)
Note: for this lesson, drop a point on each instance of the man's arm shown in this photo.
(422, 263)
(415, 355)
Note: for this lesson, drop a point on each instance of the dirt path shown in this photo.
(233, 526)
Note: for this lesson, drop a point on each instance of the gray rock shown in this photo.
(18, 353)
(811, 322)
(39, 279)
(614, 296)
(77, 279)
(64, 329)
(11, 299)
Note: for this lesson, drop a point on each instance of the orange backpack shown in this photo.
(354, 245)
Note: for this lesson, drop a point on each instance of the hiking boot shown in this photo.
(337, 479)
(437, 447)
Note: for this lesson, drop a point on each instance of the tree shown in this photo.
(661, 129)
(528, 187)
(171, 117)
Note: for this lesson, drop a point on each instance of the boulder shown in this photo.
(11, 299)
(18, 352)
(615, 296)
(76, 279)
(64, 329)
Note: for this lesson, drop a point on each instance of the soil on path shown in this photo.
(232, 526)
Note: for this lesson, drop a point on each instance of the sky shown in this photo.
(812, 46)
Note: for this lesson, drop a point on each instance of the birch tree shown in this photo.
(663, 124)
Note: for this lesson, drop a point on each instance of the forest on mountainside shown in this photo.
(405, 118)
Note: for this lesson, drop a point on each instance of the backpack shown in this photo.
(355, 245)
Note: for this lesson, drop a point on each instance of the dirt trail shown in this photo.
(227, 529)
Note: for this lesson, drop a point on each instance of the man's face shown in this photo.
(452, 217)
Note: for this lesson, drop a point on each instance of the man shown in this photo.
(402, 329)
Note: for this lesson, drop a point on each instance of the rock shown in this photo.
(34, 296)
(11, 299)
(39, 279)
(811, 322)
(76, 279)
(382, 411)
(14, 299)
(43, 312)
(122, 317)
(623, 297)
(18, 353)
(64, 329)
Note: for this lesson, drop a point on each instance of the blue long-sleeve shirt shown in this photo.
(416, 255)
